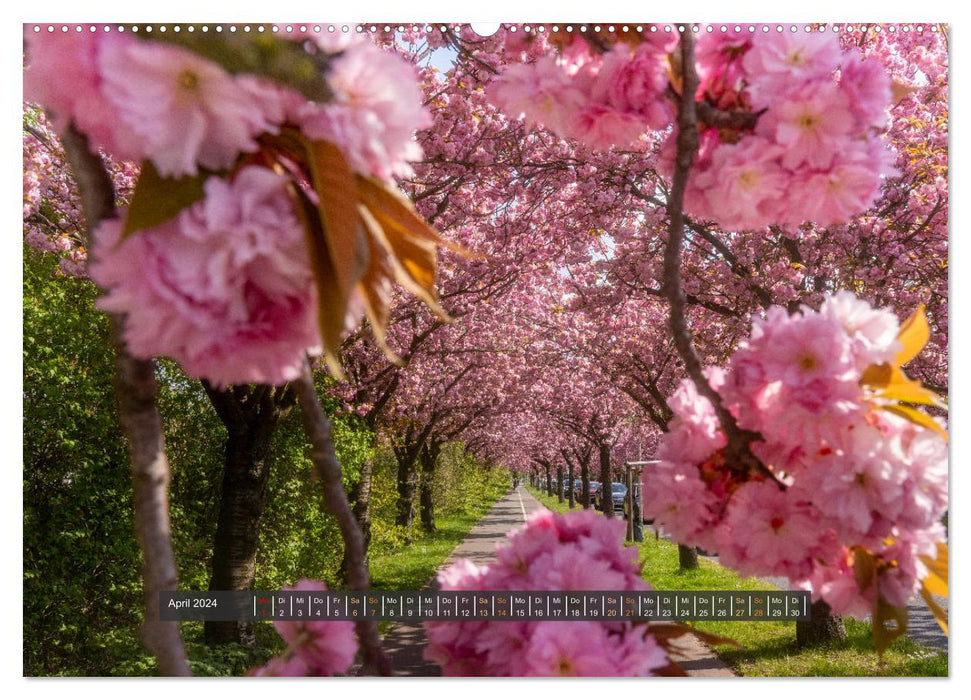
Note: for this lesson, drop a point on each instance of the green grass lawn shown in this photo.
(769, 648)
(410, 568)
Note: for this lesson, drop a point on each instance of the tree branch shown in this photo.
(135, 391)
(738, 452)
(327, 470)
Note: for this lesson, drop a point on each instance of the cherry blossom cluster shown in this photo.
(314, 647)
(849, 476)
(603, 101)
(552, 552)
(226, 286)
(53, 222)
(146, 100)
(813, 154)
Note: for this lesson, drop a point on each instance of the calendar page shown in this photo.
(533, 349)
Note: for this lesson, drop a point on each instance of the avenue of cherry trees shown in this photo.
(723, 250)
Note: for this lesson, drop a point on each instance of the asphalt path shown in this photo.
(405, 642)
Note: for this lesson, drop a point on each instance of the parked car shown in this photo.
(577, 487)
(595, 494)
(619, 495)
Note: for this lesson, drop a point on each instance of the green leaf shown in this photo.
(299, 65)
(158, 200)
(889, 622)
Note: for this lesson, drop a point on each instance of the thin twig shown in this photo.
(328, 470)
(135, 391)
(738, 452)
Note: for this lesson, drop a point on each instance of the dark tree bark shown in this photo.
(606, 481)
(360, 496)
(687, 557)
(570, 490)
(407, 453)
(251, 416)
(559, 483)
(821, 628)
(429, 459)
(407, 483)
(585, 483)
(549, 479)
(327, 472)
(135, 390)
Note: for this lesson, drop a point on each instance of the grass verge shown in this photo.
(411, 567)
(769, 648)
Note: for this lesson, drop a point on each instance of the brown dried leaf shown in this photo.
(331, 309)
(385, 202)
(864, 567)
(410, 242)
(375, 286)
(334, 183)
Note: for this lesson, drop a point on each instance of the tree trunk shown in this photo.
(687, 557)
(407, 456)
(585, 484)
(360, 495)
(559, 483)
(570, 490)
(429, 458)
(549, 479)
(251, 415)
(822, 628)
(606, 482)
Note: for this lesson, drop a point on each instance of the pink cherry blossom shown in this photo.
(765, 530)
(784, 60)
(852, 478)
(185, 111)
(542, 92)
(574, 551)
(225, 289)
(314, 647)
(867, 87)
(744, 183)
(634, 83)
(809, 125)
(587, 649)
(63, 74)
(374, 114)
(872, 332)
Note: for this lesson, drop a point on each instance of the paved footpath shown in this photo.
(406, 642)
